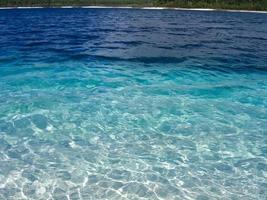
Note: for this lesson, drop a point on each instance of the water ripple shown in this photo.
(132, 104)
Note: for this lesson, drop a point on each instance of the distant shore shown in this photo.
(136, 7)
(251, 5)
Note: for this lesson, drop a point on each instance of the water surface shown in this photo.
(132, 104)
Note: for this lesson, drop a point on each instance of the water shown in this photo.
(132, 104)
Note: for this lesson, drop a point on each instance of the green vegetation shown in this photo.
(217, 4)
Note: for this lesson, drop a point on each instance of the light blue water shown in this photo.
(132, 104)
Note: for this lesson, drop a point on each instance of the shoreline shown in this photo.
(135, 7)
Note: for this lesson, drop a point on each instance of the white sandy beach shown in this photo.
(144, 8)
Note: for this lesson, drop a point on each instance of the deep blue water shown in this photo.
(133, 104)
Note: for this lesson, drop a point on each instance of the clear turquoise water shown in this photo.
(147, 107)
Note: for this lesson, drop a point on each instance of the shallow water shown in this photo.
(132, 104)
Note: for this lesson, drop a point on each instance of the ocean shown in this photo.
(132, 104)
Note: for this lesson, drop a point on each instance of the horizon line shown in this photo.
(135, 7)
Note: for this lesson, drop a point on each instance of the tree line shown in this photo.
(223, 4)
